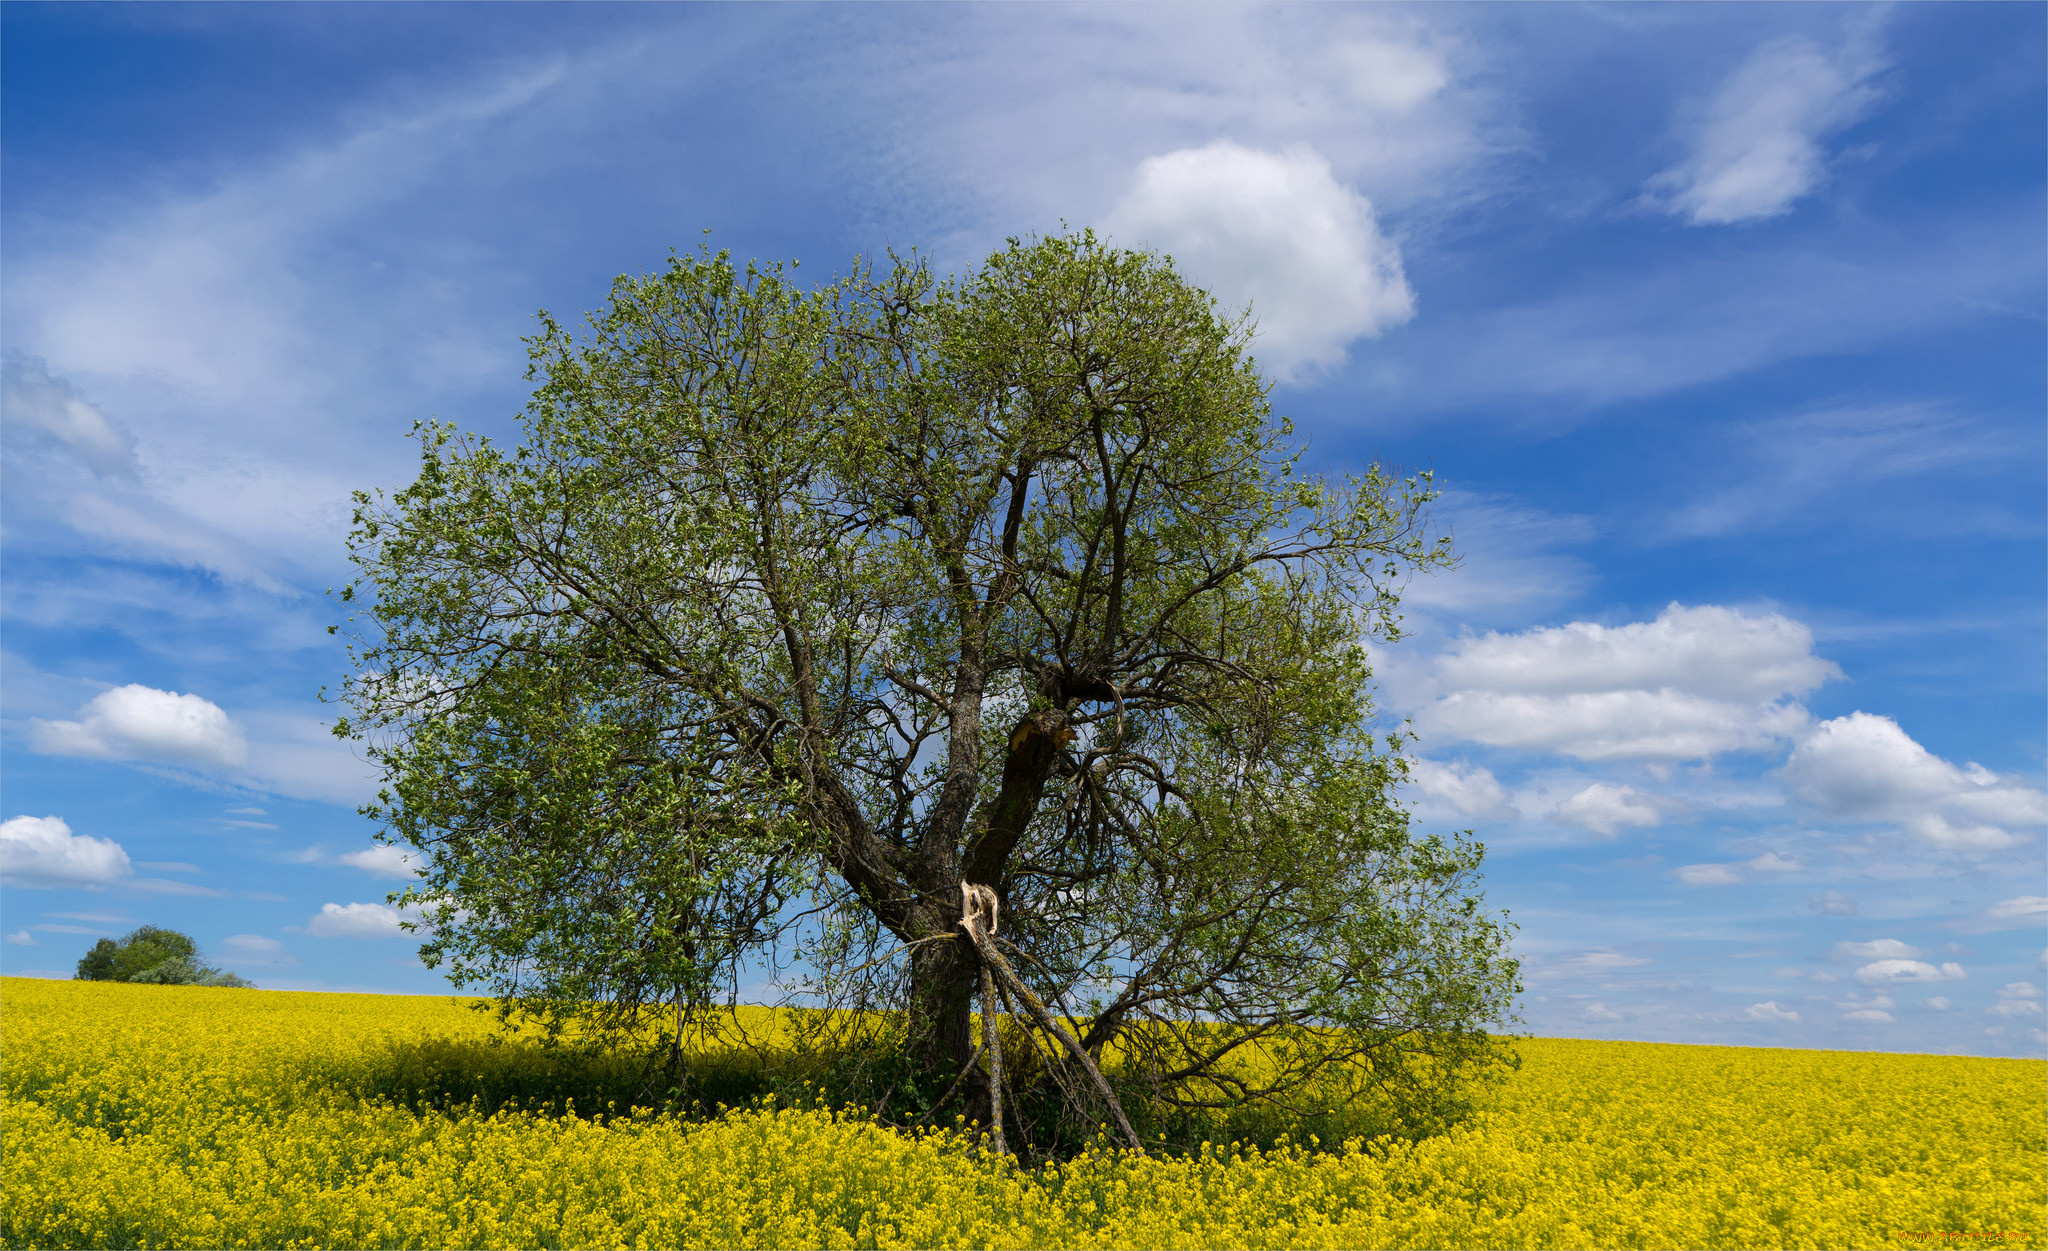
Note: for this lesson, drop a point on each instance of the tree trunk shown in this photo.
(943, 979)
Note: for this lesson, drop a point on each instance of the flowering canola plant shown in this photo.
(160, 1116)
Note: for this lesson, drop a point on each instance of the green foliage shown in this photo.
(151, 955)
(797, 609)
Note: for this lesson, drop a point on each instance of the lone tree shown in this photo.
(797, 610)
(151, 954)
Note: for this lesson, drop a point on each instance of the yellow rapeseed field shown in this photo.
(163, 1116)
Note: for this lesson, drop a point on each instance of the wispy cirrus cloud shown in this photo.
(1755, 148)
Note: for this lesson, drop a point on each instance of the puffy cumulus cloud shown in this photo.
(22, 938)
(1874, 1010)
(43, 852)
(2017, 999)
(1864, 767)
(1878, 949)
(1278, 231)
(1770, 1013)
(254, 949)
(383, 860)
(1715, 652)
(1939, 1003)
(1755, 148)
(136, 722)
(48, 407)
(357, 920)
(1605, 809)
(1899, 972)
(1693, 683)
(1468, 789)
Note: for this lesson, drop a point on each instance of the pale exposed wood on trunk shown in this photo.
(979, 923)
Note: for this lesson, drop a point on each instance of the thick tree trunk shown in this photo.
(943, 979)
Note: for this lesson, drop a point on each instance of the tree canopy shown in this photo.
(798, 609)
(151, 954)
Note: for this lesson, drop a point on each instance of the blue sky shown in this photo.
(1721, 327)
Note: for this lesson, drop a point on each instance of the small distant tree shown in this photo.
(154, 955)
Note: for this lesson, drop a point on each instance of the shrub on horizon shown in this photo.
(154, 955)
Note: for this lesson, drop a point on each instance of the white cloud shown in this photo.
(281, 752)
(1708, 874)
(1756, 147)
(2016, 999)
(1691, 684)
(22, 938)
(1876, 1008)
(43, 852)
(1878, 949)
(1713, 652)
(254, 949)
(1605, 809)
(1276, 230)
(1864, 767)
(141, 723)
(1897, 972)
(1769, 1012)
(1737, 872)
(1940, 1003)
(1471, 790)
(383, 860)
(1600, 1013)
(357, 920)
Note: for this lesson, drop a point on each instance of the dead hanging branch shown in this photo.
(978, 919)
